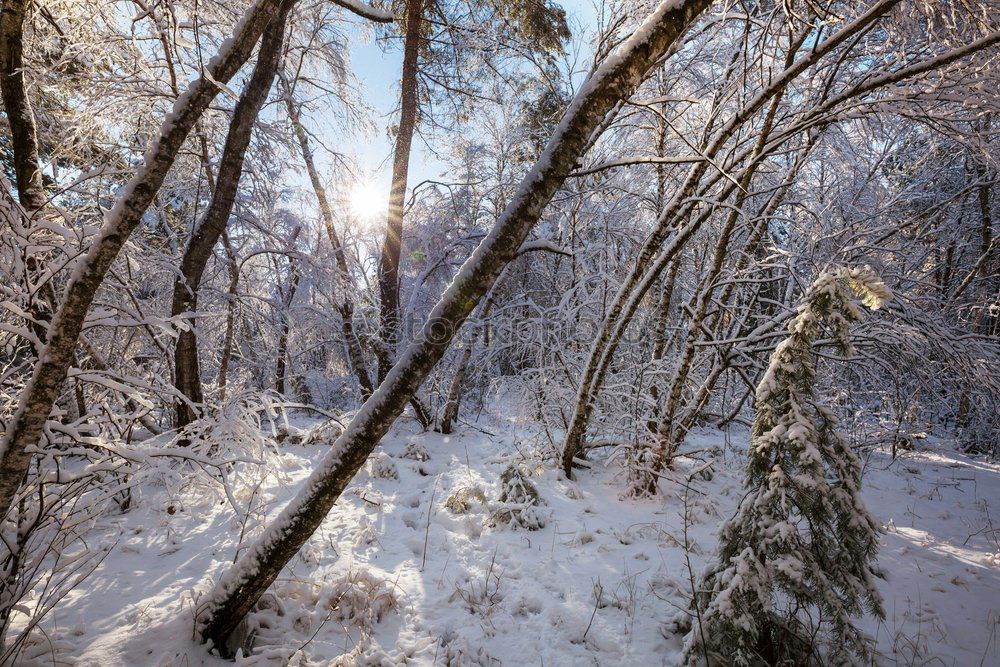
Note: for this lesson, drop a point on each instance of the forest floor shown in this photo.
(396, 577)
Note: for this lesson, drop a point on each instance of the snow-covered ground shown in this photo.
(397, 577)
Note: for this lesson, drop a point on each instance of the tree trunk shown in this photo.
(986, 241)
(24, 145)
(227, 341)
(207, 230)
(388, 278)
(38, 397)
(238, 590)
(452, 403)
(281, 367)
(660, 319)
(346, 285)
(16, 106)
(450, 413)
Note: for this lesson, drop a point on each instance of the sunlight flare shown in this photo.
(367, 201)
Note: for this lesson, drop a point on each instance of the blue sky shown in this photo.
(379, 71)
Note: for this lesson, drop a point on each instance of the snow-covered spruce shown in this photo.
(795, 563)
(380, 466)
(518, 502)
(415, 452)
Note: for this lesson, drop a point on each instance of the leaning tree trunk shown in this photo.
(238, 590)
(208, 230)
(641, 278)
(668, 436)
(388, 276)
(25, 427)
(345, 284)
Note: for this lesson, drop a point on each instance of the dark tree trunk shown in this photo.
(988, 266)
(23, 132)
(388, 278)
(208, 230)
(24, 145)
(660, 319)
(227, 341)
(453, 402)
(281, 367)
(235, 594)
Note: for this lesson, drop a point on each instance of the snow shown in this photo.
(366, 11)
(393, 575)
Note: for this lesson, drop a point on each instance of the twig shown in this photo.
(598, 592)
(694, 588)
(427, 527)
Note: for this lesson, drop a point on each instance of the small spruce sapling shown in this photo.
(518, 502)
(796, 562)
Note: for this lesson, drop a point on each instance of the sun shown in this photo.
(367, 201)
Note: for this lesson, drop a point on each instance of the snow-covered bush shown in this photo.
(481, 594)
(980, 433)
(458, 652)
(49, 552)
(796, 561)
(323, 434)
(415, 452)
(465, 499)
(365, 654)
(518, 502)
(381, 466)
(48, 546)
(359, 598)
